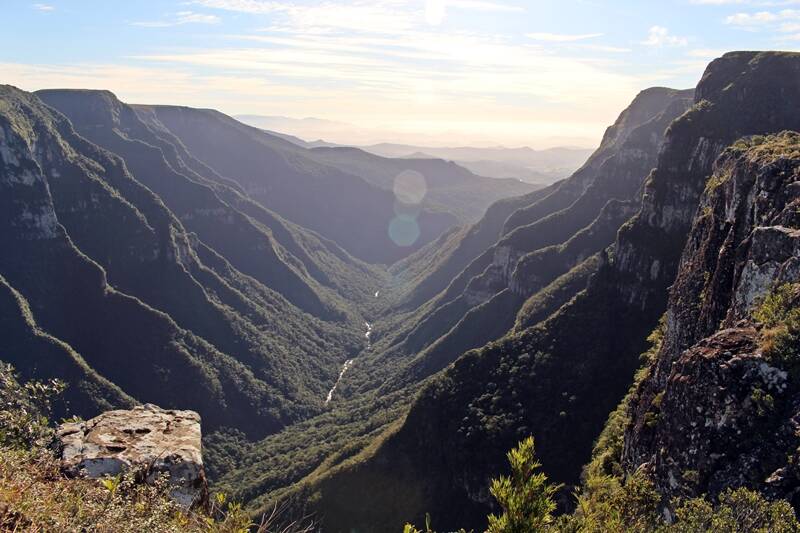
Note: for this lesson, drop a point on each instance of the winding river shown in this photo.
(347, 364)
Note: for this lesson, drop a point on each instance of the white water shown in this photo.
(347, 364)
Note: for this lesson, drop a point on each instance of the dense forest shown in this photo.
(375, 342)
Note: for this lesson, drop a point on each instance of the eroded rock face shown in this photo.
(726, 418)
(146, 438)
(714, 412)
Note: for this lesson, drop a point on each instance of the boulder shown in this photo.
(146, 439)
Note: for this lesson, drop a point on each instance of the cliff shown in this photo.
(146, 440)
(718, 406)
(560, 379)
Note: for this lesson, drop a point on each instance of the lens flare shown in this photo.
(410, 187)
(404, 230)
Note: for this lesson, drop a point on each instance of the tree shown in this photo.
(525, 496)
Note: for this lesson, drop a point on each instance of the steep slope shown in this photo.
(207, 205)
(560, 379)
(529, 257)
(399, 364)
(447, 185)
(552, 215)
(283, 177)
(81, 308)
(107, 268)
(726, 373)
(40, 356)
(424, 274)
(206, 301)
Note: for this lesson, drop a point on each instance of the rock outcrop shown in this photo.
(560, 379)
(146, 440)
(554, 233)
(715, 410)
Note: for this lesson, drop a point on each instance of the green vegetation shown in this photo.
(779, 316)
(757, 149)
(607, 451)
(738, 510)
(546, 301)
(35, 495)
(716, 180)
(621, 503)
(525, 497)
(785, 144)
(24, 409)
(633, 506)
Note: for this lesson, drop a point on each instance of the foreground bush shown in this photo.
(36, 496)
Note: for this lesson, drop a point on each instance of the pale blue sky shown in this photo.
(508, 72)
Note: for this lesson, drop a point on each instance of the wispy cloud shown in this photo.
(434, 11)
(784, 25)
(562, 37)
(659, 36)
(761, 18)
(180, 18)
(418, 75)
(379, 62)
(245, 6)
(44, 7)
(719, 2)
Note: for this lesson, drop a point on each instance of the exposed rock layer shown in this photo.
(146, 440)
(714, 405)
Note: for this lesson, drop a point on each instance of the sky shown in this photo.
(432, 72)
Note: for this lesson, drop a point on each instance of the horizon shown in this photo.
(428, 72)
(499, 266)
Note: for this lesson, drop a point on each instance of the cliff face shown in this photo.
(742, 93)
(551, 235)
(105, 285)
(40, 156)
(560, 379)
(277, 174)
(146, 440)
(719, 406)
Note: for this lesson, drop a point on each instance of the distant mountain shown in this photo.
(692, 422)
(472, 286)
(639, 317)
(310, 128)
(501, 169)
(551, 158)
(540, 167)
(353, 205)
(113, 292)
(284, 178)
(448, 186)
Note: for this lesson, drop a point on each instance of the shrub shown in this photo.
(525, 496)
(36, 496)
(780, 336)
(25, 408)
(738, 510)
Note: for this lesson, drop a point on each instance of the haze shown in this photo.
(436, 72)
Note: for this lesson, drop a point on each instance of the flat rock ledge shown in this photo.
(144, 439)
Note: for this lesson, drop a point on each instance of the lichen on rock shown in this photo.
(147, 440)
